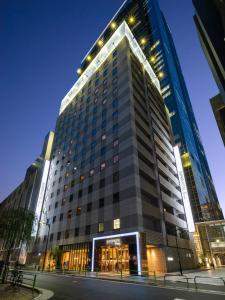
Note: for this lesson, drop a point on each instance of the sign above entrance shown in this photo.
(113, 242)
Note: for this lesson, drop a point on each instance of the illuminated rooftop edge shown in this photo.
(122, 31)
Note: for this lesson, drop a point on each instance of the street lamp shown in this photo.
(178, 253)
(49, 225)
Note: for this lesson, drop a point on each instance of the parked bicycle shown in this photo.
(16, 277)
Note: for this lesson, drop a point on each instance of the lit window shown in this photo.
(116, 224)
(115, 143)
(101, 227)
(78, 211)
(91, 172)
(81, 178)
(115, 159)
(103, 137)
(103, 165)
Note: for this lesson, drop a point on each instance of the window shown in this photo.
(77, 231)
(101, 202)
(52, 194)
(78, 211)
(56, 204)
(114, 71)
(69, 214)
(88, 229)
(60, 179)
(115, 128)
(103, 150)
(90, 189)
(92, 158)
(67, 234)
(115, 176)
(104, 81)
(104, 124)
(115, 159)
(80, 192)
(51, 237)
(93, 144)
(104, 100)
(116, 197)
(115, 115)
(71, 198)
(58, 236)
(103, 137)
(114, 53)
(91, 172)
(82, 178)
(65, 188)
(115, 143)
(102, 183)
(100, 227)
(72, 183)
(54, 219)
(63, 201)
(115, 103)
(89, 206)
(102, 166)
(61, 217)
(116, 224)
(105, 72)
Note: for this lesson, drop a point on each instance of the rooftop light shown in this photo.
(100, 43)
(79, 71)
(113, 25)
(161, 75)
(152, 59)
(131, 20)
(143, 41)
(89, 58)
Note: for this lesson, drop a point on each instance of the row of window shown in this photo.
(116, 199)
(101, 228)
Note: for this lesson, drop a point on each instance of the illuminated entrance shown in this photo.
(75, 257)
(117, 252)
(114, 258)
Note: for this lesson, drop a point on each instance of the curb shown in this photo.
(44, 294)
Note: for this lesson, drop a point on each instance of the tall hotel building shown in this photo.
(113, 198)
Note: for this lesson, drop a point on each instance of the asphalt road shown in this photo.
(75, 288)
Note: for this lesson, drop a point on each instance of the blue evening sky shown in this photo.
(42, 45)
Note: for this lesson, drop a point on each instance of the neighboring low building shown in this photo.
(29, 194)
(210, 243)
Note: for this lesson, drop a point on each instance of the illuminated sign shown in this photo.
(41, 196)
(113, 242)
(184, 192)
(122, 31)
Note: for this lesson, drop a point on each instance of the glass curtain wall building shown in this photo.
(210, 23)
(151, 30)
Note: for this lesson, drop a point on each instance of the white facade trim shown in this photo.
(122, 31)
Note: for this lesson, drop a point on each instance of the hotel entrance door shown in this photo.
(114, 258)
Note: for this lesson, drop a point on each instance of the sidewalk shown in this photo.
(8, 292)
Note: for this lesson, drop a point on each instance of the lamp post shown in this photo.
(46, 247)
(178, 253)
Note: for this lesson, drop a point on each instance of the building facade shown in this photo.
(210, 23)
(149, 27)
(210, 243)
(113, 197)
(29, 196)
